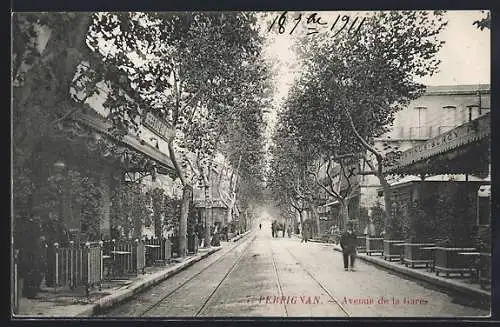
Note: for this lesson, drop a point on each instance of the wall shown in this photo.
(415, 122)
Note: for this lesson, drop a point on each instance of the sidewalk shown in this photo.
(64, 302)
(461, 285)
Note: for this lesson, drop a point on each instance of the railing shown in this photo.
(158, 250)
(127, 257)
(420, 133)
(75, 265)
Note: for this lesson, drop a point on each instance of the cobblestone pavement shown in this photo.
(265, 276)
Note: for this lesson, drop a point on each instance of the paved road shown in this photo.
(264, 276)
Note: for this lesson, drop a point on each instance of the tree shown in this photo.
(288, 177)
(360, 80)
(46, 49)
(157, 198)
(186, 68)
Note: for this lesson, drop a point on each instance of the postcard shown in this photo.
(246, 164)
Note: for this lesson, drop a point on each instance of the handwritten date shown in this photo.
(314, 22)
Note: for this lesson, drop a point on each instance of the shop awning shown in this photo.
(464, 149)
(209, 204)
(100, 125)
(326, 207)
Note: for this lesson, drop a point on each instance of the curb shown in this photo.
(234, 239)
(109, 301)
(435, 280)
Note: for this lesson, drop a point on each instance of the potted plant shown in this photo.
(416, 228)
(454, 211)
(375, 243)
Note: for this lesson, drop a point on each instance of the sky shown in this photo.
(465, 56)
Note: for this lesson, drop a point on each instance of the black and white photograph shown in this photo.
(244, 164)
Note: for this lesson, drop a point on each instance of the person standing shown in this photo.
(348, 242)
(260, 226)
(305, 232)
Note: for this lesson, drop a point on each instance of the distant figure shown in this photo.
(225, 232)
(260, 226)
(273, 228)
(348, 242)
(289, 230)
(305, 233)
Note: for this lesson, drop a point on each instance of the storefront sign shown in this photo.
(461, 135)
(158, 126)
(209, 204)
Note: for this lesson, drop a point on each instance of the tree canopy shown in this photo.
(351, 85)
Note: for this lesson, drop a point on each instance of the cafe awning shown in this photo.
(326, 207)
(462, 150)
(162, 161)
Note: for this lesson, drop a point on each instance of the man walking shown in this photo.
(348, 242)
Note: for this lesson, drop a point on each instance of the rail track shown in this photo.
(332, 297)
(230, 266)
(245, 244)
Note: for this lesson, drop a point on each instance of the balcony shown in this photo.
(417, 133)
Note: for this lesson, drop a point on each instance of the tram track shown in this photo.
(233, 267)
(247, 241)
(332, 297)
(278, 281)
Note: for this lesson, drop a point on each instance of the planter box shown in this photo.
(391, 251)
(414, 255)
(448, 260)
(484, 270)
(361, 244)
(175, 246)
(374, 245)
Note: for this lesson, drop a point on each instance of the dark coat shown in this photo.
(348, 242)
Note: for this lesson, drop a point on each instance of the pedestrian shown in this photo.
(260, 226)
(305, 232)
(348, 242)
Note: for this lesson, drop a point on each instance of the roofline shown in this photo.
(470, 89)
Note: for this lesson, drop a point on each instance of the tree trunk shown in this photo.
(316, 219)
(187, 194)
(301, 223)
(387, 202)
(228, 213)
(344, 214)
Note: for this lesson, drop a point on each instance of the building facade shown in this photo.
(439, 110)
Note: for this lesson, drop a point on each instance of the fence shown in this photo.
(75, 265)
(158, 250)
(126, 256)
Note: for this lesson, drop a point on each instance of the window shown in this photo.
(421, 115)
(450, 116)
(420, 130)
